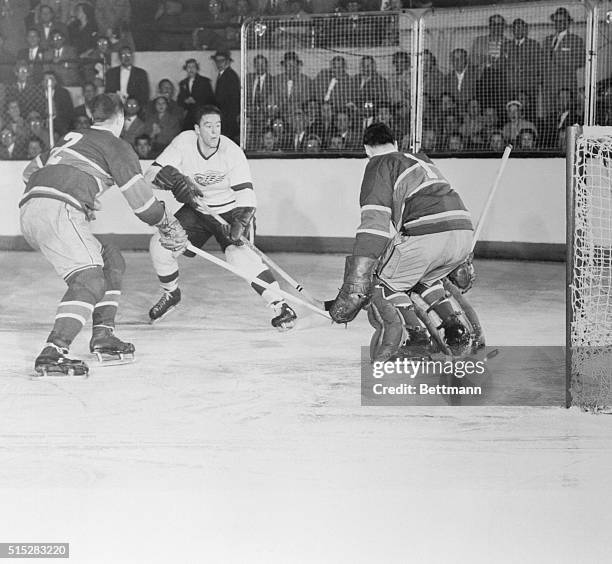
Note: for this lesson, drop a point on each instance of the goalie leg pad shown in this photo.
(388, 327)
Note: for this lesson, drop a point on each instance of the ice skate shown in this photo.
(109, 349)
(417, 345)
(165, 305)
(52, 361)
(285, 318)
(456, 336)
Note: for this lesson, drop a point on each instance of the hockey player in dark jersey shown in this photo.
(62, 189)
(414, 231)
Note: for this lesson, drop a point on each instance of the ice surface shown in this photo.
(229, 442)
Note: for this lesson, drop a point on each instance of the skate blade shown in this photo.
(284, 327)
(105, 360)
(154, 321)
(54, 375)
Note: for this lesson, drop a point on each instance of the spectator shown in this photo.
(34, 148)
(564, 115)
(165, 88)
(63, 10)
(162, 126)
(80, 123)
(127, 79)
(259, 95)
(83, 30)
(496, 141)
(473, 129)
(565, 53)
(293, 88)
(33, 54)
(36, 129)
(46, 25)
(433, 79)
(335, 143)
(351, 139)
(334, 84)
(461, 82)
(299, 130)
(515, 122)
(15, 122)
(490, 118)
(430, 110)
(194, 90)
(370, 88)
(111, 15)
(268, 142)
(89, 91)
(63, 59)
(526, 140)
(97, 61)
(9, 149)
(25, 90)
(227, 95)
(313, 143)
(429, 142)
(383, 115)
(13, 15)
(325, 126)
(63, 108)
(455, 143)
(213, 35)
(7, 62)
(399, 83)
(143, 147)
(133, 126)
(451, 124)
(523, 60)
(242, 12)
(281, 133)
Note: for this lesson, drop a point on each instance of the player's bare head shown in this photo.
(208, 125)
(378, 139)
(107, 112)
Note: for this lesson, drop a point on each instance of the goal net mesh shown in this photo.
(590, 295)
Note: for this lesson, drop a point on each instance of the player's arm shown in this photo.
(373, 235)
(35, 164)
(246, 202)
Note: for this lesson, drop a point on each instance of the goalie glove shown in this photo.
(241, 218)
(184, 189)
(356, 290)
(172, 236)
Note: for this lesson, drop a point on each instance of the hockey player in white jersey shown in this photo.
(205, 169)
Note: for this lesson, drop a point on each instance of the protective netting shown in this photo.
(591, 281)
(312, 84)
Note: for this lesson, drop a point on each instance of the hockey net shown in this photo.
(589, 297)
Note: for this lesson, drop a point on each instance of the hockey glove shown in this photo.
(184, 189)
(241, 218)
(356, 289)
(172, 236)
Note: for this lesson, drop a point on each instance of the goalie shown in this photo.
(206, 170)
(414, 231)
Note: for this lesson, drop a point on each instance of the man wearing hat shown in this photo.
(293, 87)
(227, 95)
(486, 49)
(565, 54)
(333, 84)
(522, 57)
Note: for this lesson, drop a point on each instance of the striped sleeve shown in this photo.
(240, 180)
(34, 165)
(376, 201)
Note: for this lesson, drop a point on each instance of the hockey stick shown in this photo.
(487, 205)
(289, 297)
(266, 259)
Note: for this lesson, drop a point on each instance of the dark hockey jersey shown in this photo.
(405, 193)
(82, 165)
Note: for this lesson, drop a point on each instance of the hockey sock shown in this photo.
(114, 266)
(169, 283)
(85, 289)
(404, 306)
(435, 297)
(269, 295)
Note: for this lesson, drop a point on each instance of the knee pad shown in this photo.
(388, 327)
(244, 259)
(114, 265)
(86, 285)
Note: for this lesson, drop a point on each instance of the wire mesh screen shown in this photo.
(603, 64)
(591, 279)
(311, 85)
(502, 74)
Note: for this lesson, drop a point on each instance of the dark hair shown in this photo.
(378, 134)
(202, 111)
(164, 80)
(34, 30)
(105, 106)
(143, 137)
(191, 61)
(88, 83)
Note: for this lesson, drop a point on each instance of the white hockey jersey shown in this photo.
(224, 177)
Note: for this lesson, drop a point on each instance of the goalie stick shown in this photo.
(289, 297)
(487, 205)
(288, 278)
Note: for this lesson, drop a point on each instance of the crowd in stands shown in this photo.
(504, 87)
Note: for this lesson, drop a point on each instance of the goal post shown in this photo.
(589, 268)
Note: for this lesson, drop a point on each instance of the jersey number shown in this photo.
(68, 140)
